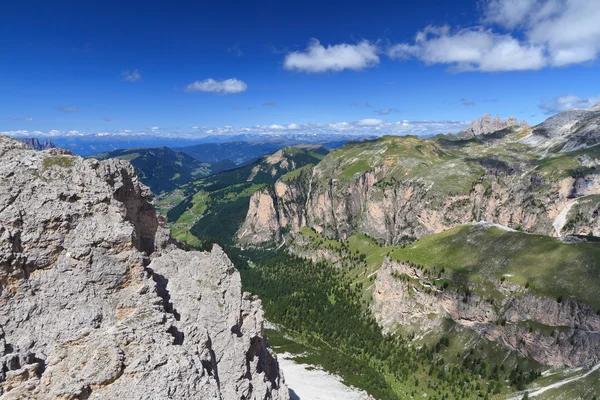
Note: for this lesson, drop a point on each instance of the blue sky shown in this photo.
(198, 68)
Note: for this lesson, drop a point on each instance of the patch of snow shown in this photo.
(307, 382)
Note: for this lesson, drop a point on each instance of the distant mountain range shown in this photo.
(93, 144)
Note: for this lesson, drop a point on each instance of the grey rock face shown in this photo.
(572, 337)
(486, 125)
(571, 130)
(96, 301)
(34, 143)
(405, 209)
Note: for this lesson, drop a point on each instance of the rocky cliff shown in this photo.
(35, 144)
(551, 332)
(568, 131)
(96, 302)
(396, 198)
(486, 125)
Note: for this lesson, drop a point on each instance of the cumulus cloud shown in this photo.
(536, 34)
(467, 102)
(227, 86)
(471, 49)
(270, 104)
(71, 109)
(318, 58)
(387, 111)
(369, 122)
(131, 76)
(567, 102)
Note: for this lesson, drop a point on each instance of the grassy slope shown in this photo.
(473, 254)
(476, 254)
(452, 166)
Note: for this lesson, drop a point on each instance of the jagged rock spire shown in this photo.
(486, 125)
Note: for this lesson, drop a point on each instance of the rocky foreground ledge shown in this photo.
(97, 301)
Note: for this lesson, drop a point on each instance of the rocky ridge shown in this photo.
(486, 125)
(410, 188)
(34, 143)
(395, 190)
(552, 333)
(568, 131)
(408, 209)
(97, 302)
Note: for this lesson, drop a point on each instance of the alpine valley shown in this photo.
(459, 266)
(310, 200)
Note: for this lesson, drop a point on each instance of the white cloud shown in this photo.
(317, 58)
(472, 49)
(339, 125)
(131, 76)
(228, 86)
(508, 13)
(362, 128)
(536, 34)
(155, 128)
(567, 102)
(570, 29)
(369, 122)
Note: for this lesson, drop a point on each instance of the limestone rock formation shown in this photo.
(486, 125)
(34, 143)
(568, 131)
(572, 337)
(407, 209)
(96, 301)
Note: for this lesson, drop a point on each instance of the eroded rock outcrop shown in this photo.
(35, 143)
(392, 212)
(551, 332)
(567, 131)
(485, 125)
(96, 302)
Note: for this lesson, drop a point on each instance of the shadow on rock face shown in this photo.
(293, 395)
(140, 212)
